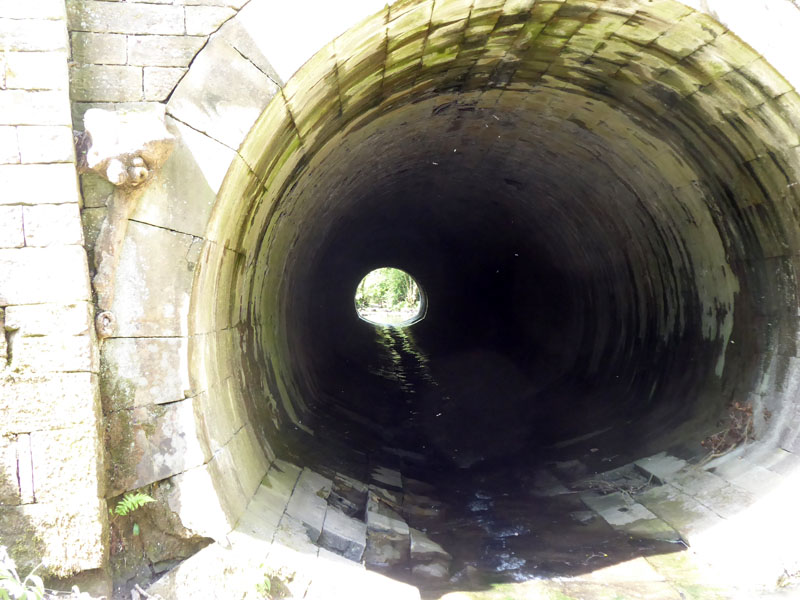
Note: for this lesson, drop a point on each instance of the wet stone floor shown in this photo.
(514, 528)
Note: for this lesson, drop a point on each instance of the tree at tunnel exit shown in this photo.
(391, 292)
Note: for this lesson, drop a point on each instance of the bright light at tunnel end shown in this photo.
(390, 297)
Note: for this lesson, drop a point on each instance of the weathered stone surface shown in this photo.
(156, 441)
(11, 232)
(38, 184)
(432, 571)
(32, 275)
(223, 103)
(344, 535)
(45, 144)
(57, 481)
(55, 353)
(163, 50)
(100, 48)
(387, 477)
(155, 301)
(50, 319)
(685, 514)
(204, 20)
(424, 549)
(308, 504)
(32, 35)
(630, 517)
(106, 83)
(37, 70)
(142, 371)
(662, 466)
(41, 9)
(160, 81)
(9, 147)
(51, 401)
(117, 17)
(52, 225)
(23, 107)
(66, 538)
(195, 500)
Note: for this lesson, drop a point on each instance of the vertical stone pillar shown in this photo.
(51, 506)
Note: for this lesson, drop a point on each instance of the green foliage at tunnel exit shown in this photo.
(388, 296)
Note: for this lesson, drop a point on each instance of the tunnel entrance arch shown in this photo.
(669, 262)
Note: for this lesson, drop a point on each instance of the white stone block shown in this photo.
(11, 231)
(22, 107)
(205, 20)
(45, 144)
(38, 275)
(37, 70)
(38, 184)
(9, 146)
(52, 225)
(160, 81)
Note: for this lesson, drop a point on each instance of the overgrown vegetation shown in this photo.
(14, 588)
(388, 295)
(129, 503)
(274, 586)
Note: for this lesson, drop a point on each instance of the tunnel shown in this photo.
(599, 200)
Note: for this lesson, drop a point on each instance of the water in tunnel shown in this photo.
(599, 200)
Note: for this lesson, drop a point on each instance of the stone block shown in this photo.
(37, 70)
(65, 539)
(160, 81)
(661, 466)
(123, 17)
(95, 190)
(50, 319)
(11, 232)
(222, 95)
(684, 514)
(154, 301)
(151, 443)
(9, 146)
(106, 83)
(32, 35)
(103, 48)
(308, 504)
(630, 517)
(344, 535)
(55, 480)
(38, 184)
(251, 464)
(205, 20)
(45, 144)
(55, 353)
(195, 500)
(56, 400)
(424, 550)
(387, 477)
(143, 371)
(16, 470)
(22, 107)
(163, 50)
(52, 225)
(41, 9)
(34, 275)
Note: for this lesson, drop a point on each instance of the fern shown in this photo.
(130, 502)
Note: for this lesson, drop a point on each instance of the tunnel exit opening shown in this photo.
(389, 296)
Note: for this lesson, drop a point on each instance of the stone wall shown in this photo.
(51, 509)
